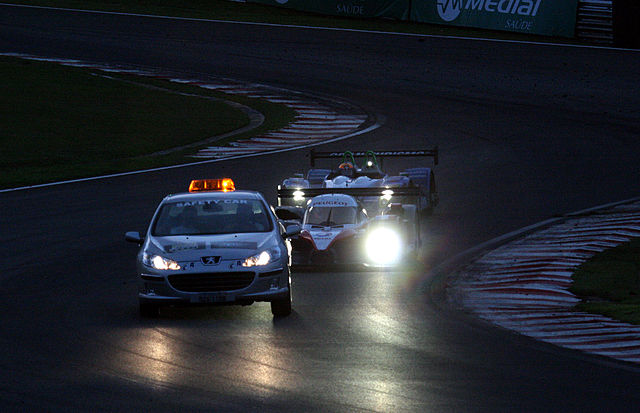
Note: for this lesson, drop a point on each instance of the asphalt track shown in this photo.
(525, 132)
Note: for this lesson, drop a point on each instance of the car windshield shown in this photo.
(329, 216)
(211, 217)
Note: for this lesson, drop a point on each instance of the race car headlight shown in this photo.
(264, 258)
(159, 263)
(298, 195)
(383, 246)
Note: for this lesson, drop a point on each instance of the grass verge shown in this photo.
(64, 123)
(609, 283)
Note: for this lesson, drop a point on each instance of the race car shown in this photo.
(332, 228)
(350, 175)
(214, 245)
(337, 230)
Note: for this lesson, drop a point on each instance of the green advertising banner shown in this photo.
(545, 17)
(395, 9)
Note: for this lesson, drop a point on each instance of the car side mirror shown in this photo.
(291, 230)
(134, 236)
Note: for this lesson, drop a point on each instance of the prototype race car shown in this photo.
(370, 175)
(332, 228)
(380, 213)
(214, 245)
(337, 230)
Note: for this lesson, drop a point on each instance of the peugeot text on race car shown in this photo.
(367, 175)
(214, 245)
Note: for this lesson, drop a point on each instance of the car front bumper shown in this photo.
(168, 290)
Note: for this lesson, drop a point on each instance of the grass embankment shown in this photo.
(63, 123)
(609, 283)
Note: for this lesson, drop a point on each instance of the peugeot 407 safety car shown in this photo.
(367, 175)
(214, 245)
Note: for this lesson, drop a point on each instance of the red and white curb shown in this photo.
(317, 119)
(314, 122)
(524, 285)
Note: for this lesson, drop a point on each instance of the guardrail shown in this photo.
(595, 21)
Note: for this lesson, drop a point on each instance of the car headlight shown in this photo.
(387, 194)
(159, 263)
(264, 258)
(383, 246)
(298, 195)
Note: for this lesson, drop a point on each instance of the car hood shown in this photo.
(226, 246)
(323, 237)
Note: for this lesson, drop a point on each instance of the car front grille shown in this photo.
(211, 281)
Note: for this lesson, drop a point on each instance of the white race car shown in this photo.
(379, 213)
(332, 229)
(296, 190)
(337, 230)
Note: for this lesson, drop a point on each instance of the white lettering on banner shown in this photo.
(505, 6)
(350, 9)
(449, 10)
(490, 5)
(475, 4)
(519, 25)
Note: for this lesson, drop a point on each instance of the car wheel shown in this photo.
(149, 310)
(282, 307)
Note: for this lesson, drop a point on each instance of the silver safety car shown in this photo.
(214, 245)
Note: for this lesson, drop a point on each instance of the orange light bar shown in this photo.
(202, 185)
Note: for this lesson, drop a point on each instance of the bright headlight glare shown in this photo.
(263, 258)
(160, 263)
(387, 194)
(383, 246)
(298, 196)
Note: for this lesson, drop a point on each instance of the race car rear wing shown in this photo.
(313, 154)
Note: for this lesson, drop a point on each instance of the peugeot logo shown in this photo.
(210, 260)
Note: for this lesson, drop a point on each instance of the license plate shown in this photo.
(211, 298)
